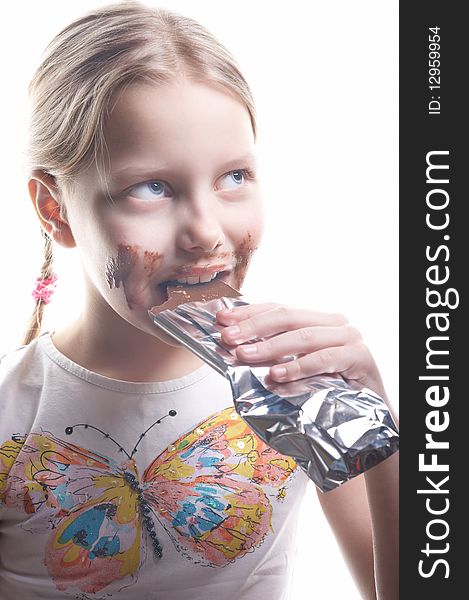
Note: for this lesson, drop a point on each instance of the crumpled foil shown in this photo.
(333, 430)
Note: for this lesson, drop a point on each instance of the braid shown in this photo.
(34, 326)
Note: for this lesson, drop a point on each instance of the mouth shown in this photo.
(195, 280)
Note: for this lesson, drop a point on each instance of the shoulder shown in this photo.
(21, 363)
(21, 382)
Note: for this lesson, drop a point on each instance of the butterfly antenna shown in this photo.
(172, 413)
(69, 431)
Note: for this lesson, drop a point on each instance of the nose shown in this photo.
(199, 227)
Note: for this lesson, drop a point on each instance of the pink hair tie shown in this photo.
(44, 288)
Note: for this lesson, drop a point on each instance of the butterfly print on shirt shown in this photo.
(206, 491)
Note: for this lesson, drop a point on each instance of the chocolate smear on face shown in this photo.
(151, 262)
(180, 294)
(112, 272)
(128, 268)
(243, 256)
(118, 268)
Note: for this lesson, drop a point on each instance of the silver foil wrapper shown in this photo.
(333, 430)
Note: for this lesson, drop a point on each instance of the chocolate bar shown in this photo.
(180, 294)
(334, 430)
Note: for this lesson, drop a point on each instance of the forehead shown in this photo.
(177, 118)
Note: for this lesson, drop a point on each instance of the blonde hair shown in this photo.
(92, 59)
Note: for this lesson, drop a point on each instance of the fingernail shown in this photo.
(279, 372)
(234, 330)
(249, 350)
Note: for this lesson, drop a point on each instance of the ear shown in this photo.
(45, 195)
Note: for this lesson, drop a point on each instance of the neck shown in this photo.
(102, 342)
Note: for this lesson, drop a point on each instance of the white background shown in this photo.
(325, 80)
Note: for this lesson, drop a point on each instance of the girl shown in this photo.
(120, 450)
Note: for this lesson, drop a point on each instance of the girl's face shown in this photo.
(180, 197)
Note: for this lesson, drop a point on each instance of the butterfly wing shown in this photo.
(9, 451)
(97, 544)
(205, 489)
(86, 501)
(49, 474)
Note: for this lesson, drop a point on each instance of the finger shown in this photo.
(350, 361)
(278, 320)
(301, 341)
(241, 313)
(232, 315)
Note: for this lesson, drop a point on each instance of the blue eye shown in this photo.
(234, 179)
(150, 190)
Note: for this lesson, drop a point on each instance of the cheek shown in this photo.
(249, 220)
(135, 270)
(257, 223)
(125, 260)
(246, 237)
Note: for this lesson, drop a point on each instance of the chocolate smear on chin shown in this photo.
(180, 294)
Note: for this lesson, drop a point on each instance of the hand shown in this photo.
(324, 343)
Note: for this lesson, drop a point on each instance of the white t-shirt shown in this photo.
(99, 476)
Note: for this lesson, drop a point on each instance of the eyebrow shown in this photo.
(249, 159)
(241, 161)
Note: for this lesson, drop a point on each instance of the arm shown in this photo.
(363, 514)
(382, 484)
